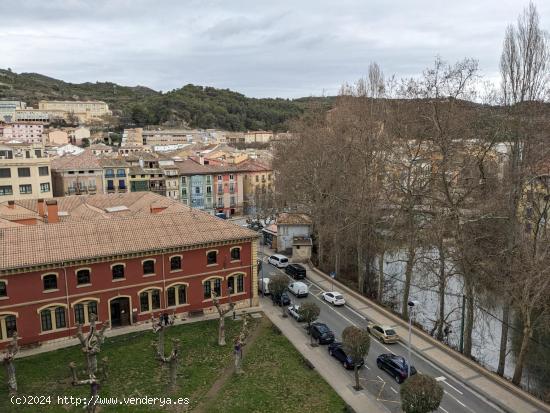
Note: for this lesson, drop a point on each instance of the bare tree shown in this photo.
(309, 312)
(356, 343)
(240, 342)
(7, 359)
(222, 312)
(159, 327)
(277, 286)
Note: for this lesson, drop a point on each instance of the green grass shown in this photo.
(275, 377)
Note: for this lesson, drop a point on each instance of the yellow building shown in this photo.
(92, 109)
(257, 183)
(24, 172)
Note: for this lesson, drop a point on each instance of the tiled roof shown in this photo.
(289, 218)
(251, 165)
(104, 234)
(86, 160)
(190, 167)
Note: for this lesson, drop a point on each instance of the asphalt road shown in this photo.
(457, 397)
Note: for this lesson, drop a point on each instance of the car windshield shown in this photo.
(283, 259)
(390, 332)
(339, 297)
(322, 328)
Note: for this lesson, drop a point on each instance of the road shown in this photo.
(457, 397)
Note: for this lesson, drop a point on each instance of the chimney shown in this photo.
(51, 206)
(201, 159)
(41, 210)
(11, 204)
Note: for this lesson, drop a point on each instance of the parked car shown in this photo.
(385, 334)
(334, 298)
(336, 350)
(263, 285)
(255, 226)
(321, 333)
(221, 215)
(281, 299)
(278, 260)
(298, 288)
(294, 311)
(296, 271)
(395, 365)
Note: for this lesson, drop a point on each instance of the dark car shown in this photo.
(281, 299)
(255, 226)
(337, 351)
(396, 366)
(321, 333)
(296, 271)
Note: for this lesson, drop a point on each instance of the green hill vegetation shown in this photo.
(191, 105)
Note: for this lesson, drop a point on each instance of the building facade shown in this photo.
(24, 172)
(162, 258)
(24, 132)
(92, 109)
(80, 174)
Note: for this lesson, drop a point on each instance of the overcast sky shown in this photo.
(259, 47)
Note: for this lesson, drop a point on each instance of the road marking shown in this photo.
(441, 378)
(456, 400)
(380, 378)
(395, 391)
(443, 409)
(454, 388)
(368, 368)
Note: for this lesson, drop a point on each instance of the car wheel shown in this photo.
(379, 365)
(381, 339)
(330, 351)
(398, 379)
(346, 365)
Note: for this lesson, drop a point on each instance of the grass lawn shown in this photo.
(133, 372)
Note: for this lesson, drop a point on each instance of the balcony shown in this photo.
(122, 189)
(121, 175)
(109, 175)
(110, 190)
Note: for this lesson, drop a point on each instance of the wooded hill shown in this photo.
(195, 106)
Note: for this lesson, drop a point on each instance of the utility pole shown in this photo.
(462, 323)
(411, 305)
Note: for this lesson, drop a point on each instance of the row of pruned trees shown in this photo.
(430, 164)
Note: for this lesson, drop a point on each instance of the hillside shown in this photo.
(196, 106)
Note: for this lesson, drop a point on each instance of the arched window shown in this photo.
(53, 318)
(148, 267)
(149, 300)
(50, 282)
(84, 310)
(83, 276)
(8, 326)
(236, 283)
(211, 257)
(118, 271)
(3, 289)
(212, 285)
(175, 263)
(236, 254)
(176, 295)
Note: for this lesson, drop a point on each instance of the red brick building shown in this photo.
(123, 257)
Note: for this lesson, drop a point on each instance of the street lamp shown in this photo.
(412, 304)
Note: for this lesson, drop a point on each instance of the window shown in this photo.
(175, 263)
(231, 284)
(231, 177)
(208, 189)
(257, 178)
(3, 289)
(23, 172)
(110, 185)
(6, 190)
(231, 187)
(211, 257)
(219, 177)
(60, 317)
(269, 177)
(53, 318)
(5, 173)
(207, 291)
(109, 173)
(240, 283)
(148, 267)
(83, 312)
(43, 171)
(118, 271)
(83, 277)
(45, 187)
(25, 189)
(8, 326)
(79, 314)
(50, 282)
(46, 319)
(149, 300)
(218, 287)
(235, 254)
(197, 190)
(177, 295)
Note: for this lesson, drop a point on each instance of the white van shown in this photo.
(263, 285)
(278, 260)
(298, 288)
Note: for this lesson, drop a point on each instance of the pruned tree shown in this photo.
(309, 312)
(8, 358)
(356, 343)
(421, 394)
(277, 286)
(222, 312)
(91, 346)
(159, 327)
(240, 342)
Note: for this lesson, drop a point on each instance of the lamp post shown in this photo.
(412, 305)
(262, 264)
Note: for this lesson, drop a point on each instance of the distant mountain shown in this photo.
(196, 106)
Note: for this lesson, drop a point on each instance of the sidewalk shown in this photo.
(69, 342)
(496, 389)
(342, 383)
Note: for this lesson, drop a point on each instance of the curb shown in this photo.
(453, 353)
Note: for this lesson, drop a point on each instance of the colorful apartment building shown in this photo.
(122, 257)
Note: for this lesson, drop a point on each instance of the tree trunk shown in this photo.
(360, 269)
(356, 372)
(380, 291)
(91, 360)
(173, 372)
(160, 348)
(442, 287)
(12, 378)
(221, 331)
(411, 254)
(469, 322)
(503, 338)
(518, 371)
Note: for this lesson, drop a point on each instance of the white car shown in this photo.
(278, 260)
(294, 311)
(334, 298)
(298, 288)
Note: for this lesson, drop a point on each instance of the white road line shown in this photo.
(368, 368)
(454, 388)
(453, 397)
(443, 409)
(380, 378)
(441, 378)
(395, 391)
